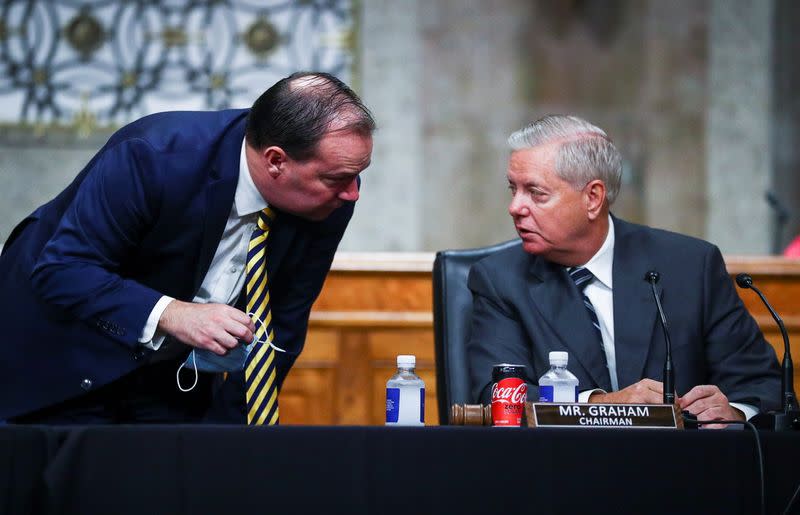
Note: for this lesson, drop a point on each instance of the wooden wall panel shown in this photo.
(375, 306)
(309, 397)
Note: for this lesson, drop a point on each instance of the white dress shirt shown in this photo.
(600, 292)
(225, 277)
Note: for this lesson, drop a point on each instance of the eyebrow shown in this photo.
(340, 174)
(343, 173)
(528, 184)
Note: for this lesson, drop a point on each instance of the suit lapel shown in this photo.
(280, 240)
(561, 307)
(220, 191)
(634, 308)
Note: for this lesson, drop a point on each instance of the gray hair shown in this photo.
(585, 152)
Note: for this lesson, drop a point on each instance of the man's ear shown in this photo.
(595, 197)
(274, 160)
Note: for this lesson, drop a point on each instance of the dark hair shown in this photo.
(295, 118)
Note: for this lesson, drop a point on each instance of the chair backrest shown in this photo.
(452, 310)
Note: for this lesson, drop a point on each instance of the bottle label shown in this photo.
(405, 406)
(422, 405)
(546, 393)
(392, 405)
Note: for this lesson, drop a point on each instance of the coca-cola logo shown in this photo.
(505, 393)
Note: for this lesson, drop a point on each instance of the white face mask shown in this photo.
(203, 360)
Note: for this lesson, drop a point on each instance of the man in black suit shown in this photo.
(564, 173)
(106, 289)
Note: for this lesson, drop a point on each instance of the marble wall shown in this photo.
(32, 173)
(785, 126)
(739, 159)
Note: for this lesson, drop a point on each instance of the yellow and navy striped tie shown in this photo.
(259, 375)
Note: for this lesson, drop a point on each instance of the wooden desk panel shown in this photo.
(375, 306)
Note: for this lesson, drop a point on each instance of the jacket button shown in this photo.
(86, 384)
(139, 354)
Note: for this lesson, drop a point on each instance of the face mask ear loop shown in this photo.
(196, 375)
(275, 346)
(268, 341)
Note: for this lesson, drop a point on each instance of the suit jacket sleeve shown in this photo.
(496, 335)
(741, 363)
(78, 270)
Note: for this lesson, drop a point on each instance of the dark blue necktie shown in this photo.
(582, 277)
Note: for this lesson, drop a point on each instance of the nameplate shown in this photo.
(641, 416)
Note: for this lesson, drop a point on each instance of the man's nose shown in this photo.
(517, 207)
(350, 194)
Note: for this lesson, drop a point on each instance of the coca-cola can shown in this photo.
(509, 392)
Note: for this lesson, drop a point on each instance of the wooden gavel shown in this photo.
(470, 415)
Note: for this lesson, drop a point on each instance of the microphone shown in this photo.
(669, 372)
(788, 397)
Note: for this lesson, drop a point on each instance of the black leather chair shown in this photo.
(452, 310)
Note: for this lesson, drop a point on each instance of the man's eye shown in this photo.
(539, 194)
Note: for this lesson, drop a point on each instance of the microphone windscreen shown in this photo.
(744, 281)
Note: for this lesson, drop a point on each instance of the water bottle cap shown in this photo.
(559, 358)
(406, 360)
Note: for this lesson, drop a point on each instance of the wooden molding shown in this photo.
(376, 319)
(383, 262)
(762, 265)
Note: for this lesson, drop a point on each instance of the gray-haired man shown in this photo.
(564, 174)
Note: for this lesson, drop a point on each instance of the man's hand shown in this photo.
(707, 402)
(645, 391)
(216, 327)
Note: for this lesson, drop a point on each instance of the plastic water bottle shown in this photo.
(405, 395)
(558, 384)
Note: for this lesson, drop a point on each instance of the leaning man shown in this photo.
(577, 284)
(192, 244)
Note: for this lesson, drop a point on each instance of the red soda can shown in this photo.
(509, 392)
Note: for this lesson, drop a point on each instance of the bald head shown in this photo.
(296, 112)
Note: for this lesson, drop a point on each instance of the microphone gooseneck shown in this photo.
(652, 277)
(789, 399)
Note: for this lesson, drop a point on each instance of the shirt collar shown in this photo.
(602, 262)
(247, 199)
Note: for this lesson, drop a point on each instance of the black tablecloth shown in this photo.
(446, 470)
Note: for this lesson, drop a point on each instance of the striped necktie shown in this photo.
(260, 370)
(582, 277)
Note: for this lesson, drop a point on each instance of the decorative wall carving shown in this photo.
(84, 65)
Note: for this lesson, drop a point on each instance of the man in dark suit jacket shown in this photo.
(563, 174)
(105, 289)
